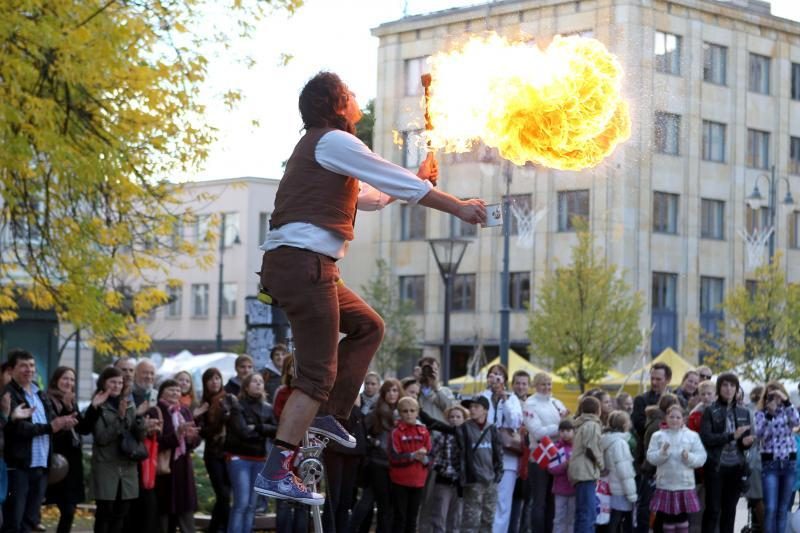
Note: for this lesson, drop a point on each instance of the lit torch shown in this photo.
(425, 79)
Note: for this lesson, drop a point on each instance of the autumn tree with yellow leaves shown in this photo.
(587, 317)
(99, 106)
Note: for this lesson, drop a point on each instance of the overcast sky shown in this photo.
(322, 35)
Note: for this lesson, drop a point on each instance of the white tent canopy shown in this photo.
(196, 365)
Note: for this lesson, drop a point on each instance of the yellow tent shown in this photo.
(678, 364)
(474, 384)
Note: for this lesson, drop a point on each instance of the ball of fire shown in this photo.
(560, 107)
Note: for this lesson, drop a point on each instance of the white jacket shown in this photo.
(508, 414)
(541, 415)
(673, 473)
(619, 462)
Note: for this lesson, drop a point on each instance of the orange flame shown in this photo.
(560, 107)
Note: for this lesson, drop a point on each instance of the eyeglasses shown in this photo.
(408, 410)
(705, 376)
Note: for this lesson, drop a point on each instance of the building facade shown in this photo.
(190, 320)
(714, 93)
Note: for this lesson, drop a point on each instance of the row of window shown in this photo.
(668, 52)
(574, 204)
(412, 291)
(664, 300)
(667, 137)
(200, 299)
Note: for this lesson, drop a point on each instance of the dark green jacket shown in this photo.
(111, 469)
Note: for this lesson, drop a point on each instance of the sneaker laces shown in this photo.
(298, 482)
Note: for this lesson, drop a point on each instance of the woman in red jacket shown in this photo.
(409, 447)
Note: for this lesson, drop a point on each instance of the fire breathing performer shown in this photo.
(329, 175)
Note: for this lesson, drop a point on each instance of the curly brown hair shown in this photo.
(321, 102)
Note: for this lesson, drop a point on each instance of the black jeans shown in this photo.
(406, 501)
(143, 512)
(67, 514)
(722, 495)
(340, 474)
(290, 517)
(381, 490)
(218, 475)
(646, 487)
(542, 507)
(109, 517)
(25, 496)
(620, 522)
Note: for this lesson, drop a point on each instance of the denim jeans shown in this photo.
(585, 506)
(25, 495)
(242, 474)
(777, 479)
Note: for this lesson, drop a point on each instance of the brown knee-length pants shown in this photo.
(320, 307)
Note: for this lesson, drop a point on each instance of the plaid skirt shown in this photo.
(674, 501)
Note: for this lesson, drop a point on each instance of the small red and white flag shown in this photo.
(545, 453)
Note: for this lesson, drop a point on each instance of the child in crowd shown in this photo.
(675, 451)
(481, 466)
(619, 462)
(564, 516)
(586, 464)
(410, 444)
(445, 503)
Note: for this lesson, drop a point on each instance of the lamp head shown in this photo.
(754, 200)
(788, 200)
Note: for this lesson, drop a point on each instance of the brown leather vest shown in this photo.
(309, 193)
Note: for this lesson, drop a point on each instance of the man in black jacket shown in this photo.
(27, 444)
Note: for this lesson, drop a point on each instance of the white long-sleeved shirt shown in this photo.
(380, 182)
(542, 415)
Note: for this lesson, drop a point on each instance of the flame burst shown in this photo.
(560, 107)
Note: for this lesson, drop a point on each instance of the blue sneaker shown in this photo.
(287, 486)
(329, 427)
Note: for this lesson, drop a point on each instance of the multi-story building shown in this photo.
(714, 93)
(190, 320)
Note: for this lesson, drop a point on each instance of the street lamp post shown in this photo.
(754, 200)
(448, 254)
(221, 270)
(505, 310)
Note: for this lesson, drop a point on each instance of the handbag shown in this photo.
(131, 447)
(511, 440)
(57, 469)
(164, 456)
(148, 466)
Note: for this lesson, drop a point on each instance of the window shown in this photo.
(794, 155)
(263, 227)
(794, 229)
(412, 222)
(175, 306)
(667, 133)
(519, 201)
(668, 53)
(665, 316)
(757, 149)
(201, 226)
(230, 221)
(414, 149)
(229, 291)
(712, 219)
(758, 79)
(665, 212)
(412, 290)
(519, 290)
(414, 69)
(459, 228)
(200, 299)
(572, 204)
(795, 81)
(711, 295)
(756, 219)
(715, 64)
(463, 292)
(176, 237)
(713, 141)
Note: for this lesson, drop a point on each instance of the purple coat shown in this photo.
(176, 491)
(561, 484)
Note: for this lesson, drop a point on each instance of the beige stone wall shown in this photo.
(622, 187)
